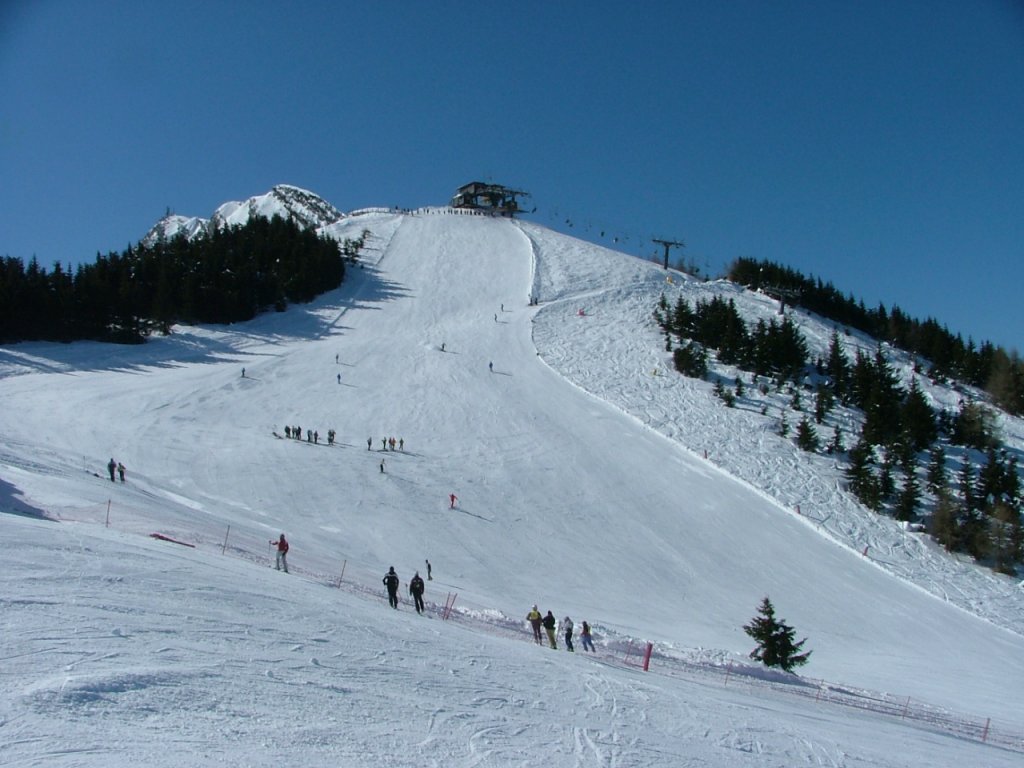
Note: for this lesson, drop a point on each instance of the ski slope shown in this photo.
(582, 486)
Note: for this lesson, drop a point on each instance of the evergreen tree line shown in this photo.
(768, 349)
(225, 275)
(987, 367)
(901, 434)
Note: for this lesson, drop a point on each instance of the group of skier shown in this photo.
(386, 443)
(416, 588)
(550, 624)
(312, 435)
(115, 467)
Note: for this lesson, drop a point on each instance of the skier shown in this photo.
(287, 431)
(429, 577)
(339, 378)
(442, 346)
(243, 373)
(588, 643)
(401, 444)
(382, 466)
(390, 581)
(567, 630)
(534, 618)
(120, 471)
(490, 367)
(282, 554)
(316, 437)
(369, 443)
(452, 498)
(111, 468)
(416, 587)
(549, 626)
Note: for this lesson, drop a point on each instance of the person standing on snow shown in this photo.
(452, 498)
(282, 553)
(416, 587)
(429, 569)
(567, 630)
(534, 618)
(120, 471)
(549, 626)
(111, 468)
(588, 643)
(391, 582)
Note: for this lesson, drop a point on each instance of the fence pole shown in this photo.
(449, 603)
(906, 706)
(984, 734)
(340, 578)
(647, 656)
(224, 547)
(107, 523)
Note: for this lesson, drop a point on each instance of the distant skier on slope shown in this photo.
(549, 623)
(111, 468)
(567, 632)
(281, 564)
(534, 618)
(586, 639)
(416, 587)
(390, 581)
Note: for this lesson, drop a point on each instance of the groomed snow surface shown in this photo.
(591, 480)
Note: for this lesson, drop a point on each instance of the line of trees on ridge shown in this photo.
(226, 275)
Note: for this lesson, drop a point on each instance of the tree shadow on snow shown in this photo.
(10, 504)
(211, 344)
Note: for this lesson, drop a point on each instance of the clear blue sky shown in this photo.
(876, 145)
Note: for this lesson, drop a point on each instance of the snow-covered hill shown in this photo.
(569, 460)
(300, 205)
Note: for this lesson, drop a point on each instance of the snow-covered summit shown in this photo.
(305, 208)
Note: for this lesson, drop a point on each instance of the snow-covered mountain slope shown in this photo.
(300, 205)
(582, 486)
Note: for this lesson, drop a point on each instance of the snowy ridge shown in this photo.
(305, 208)
(600, 505)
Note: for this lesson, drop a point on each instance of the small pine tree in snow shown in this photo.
(775, 644)
(806, 435)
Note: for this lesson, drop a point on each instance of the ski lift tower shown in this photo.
(668, 244)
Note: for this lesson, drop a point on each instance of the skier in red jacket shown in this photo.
(282, 553)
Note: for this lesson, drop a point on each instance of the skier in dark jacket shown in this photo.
(111, 468)
(416, 587)
(549, 623)
(391, 582)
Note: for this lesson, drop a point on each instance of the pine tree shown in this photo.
(775, 644)
(806, 435)
(945, 526)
